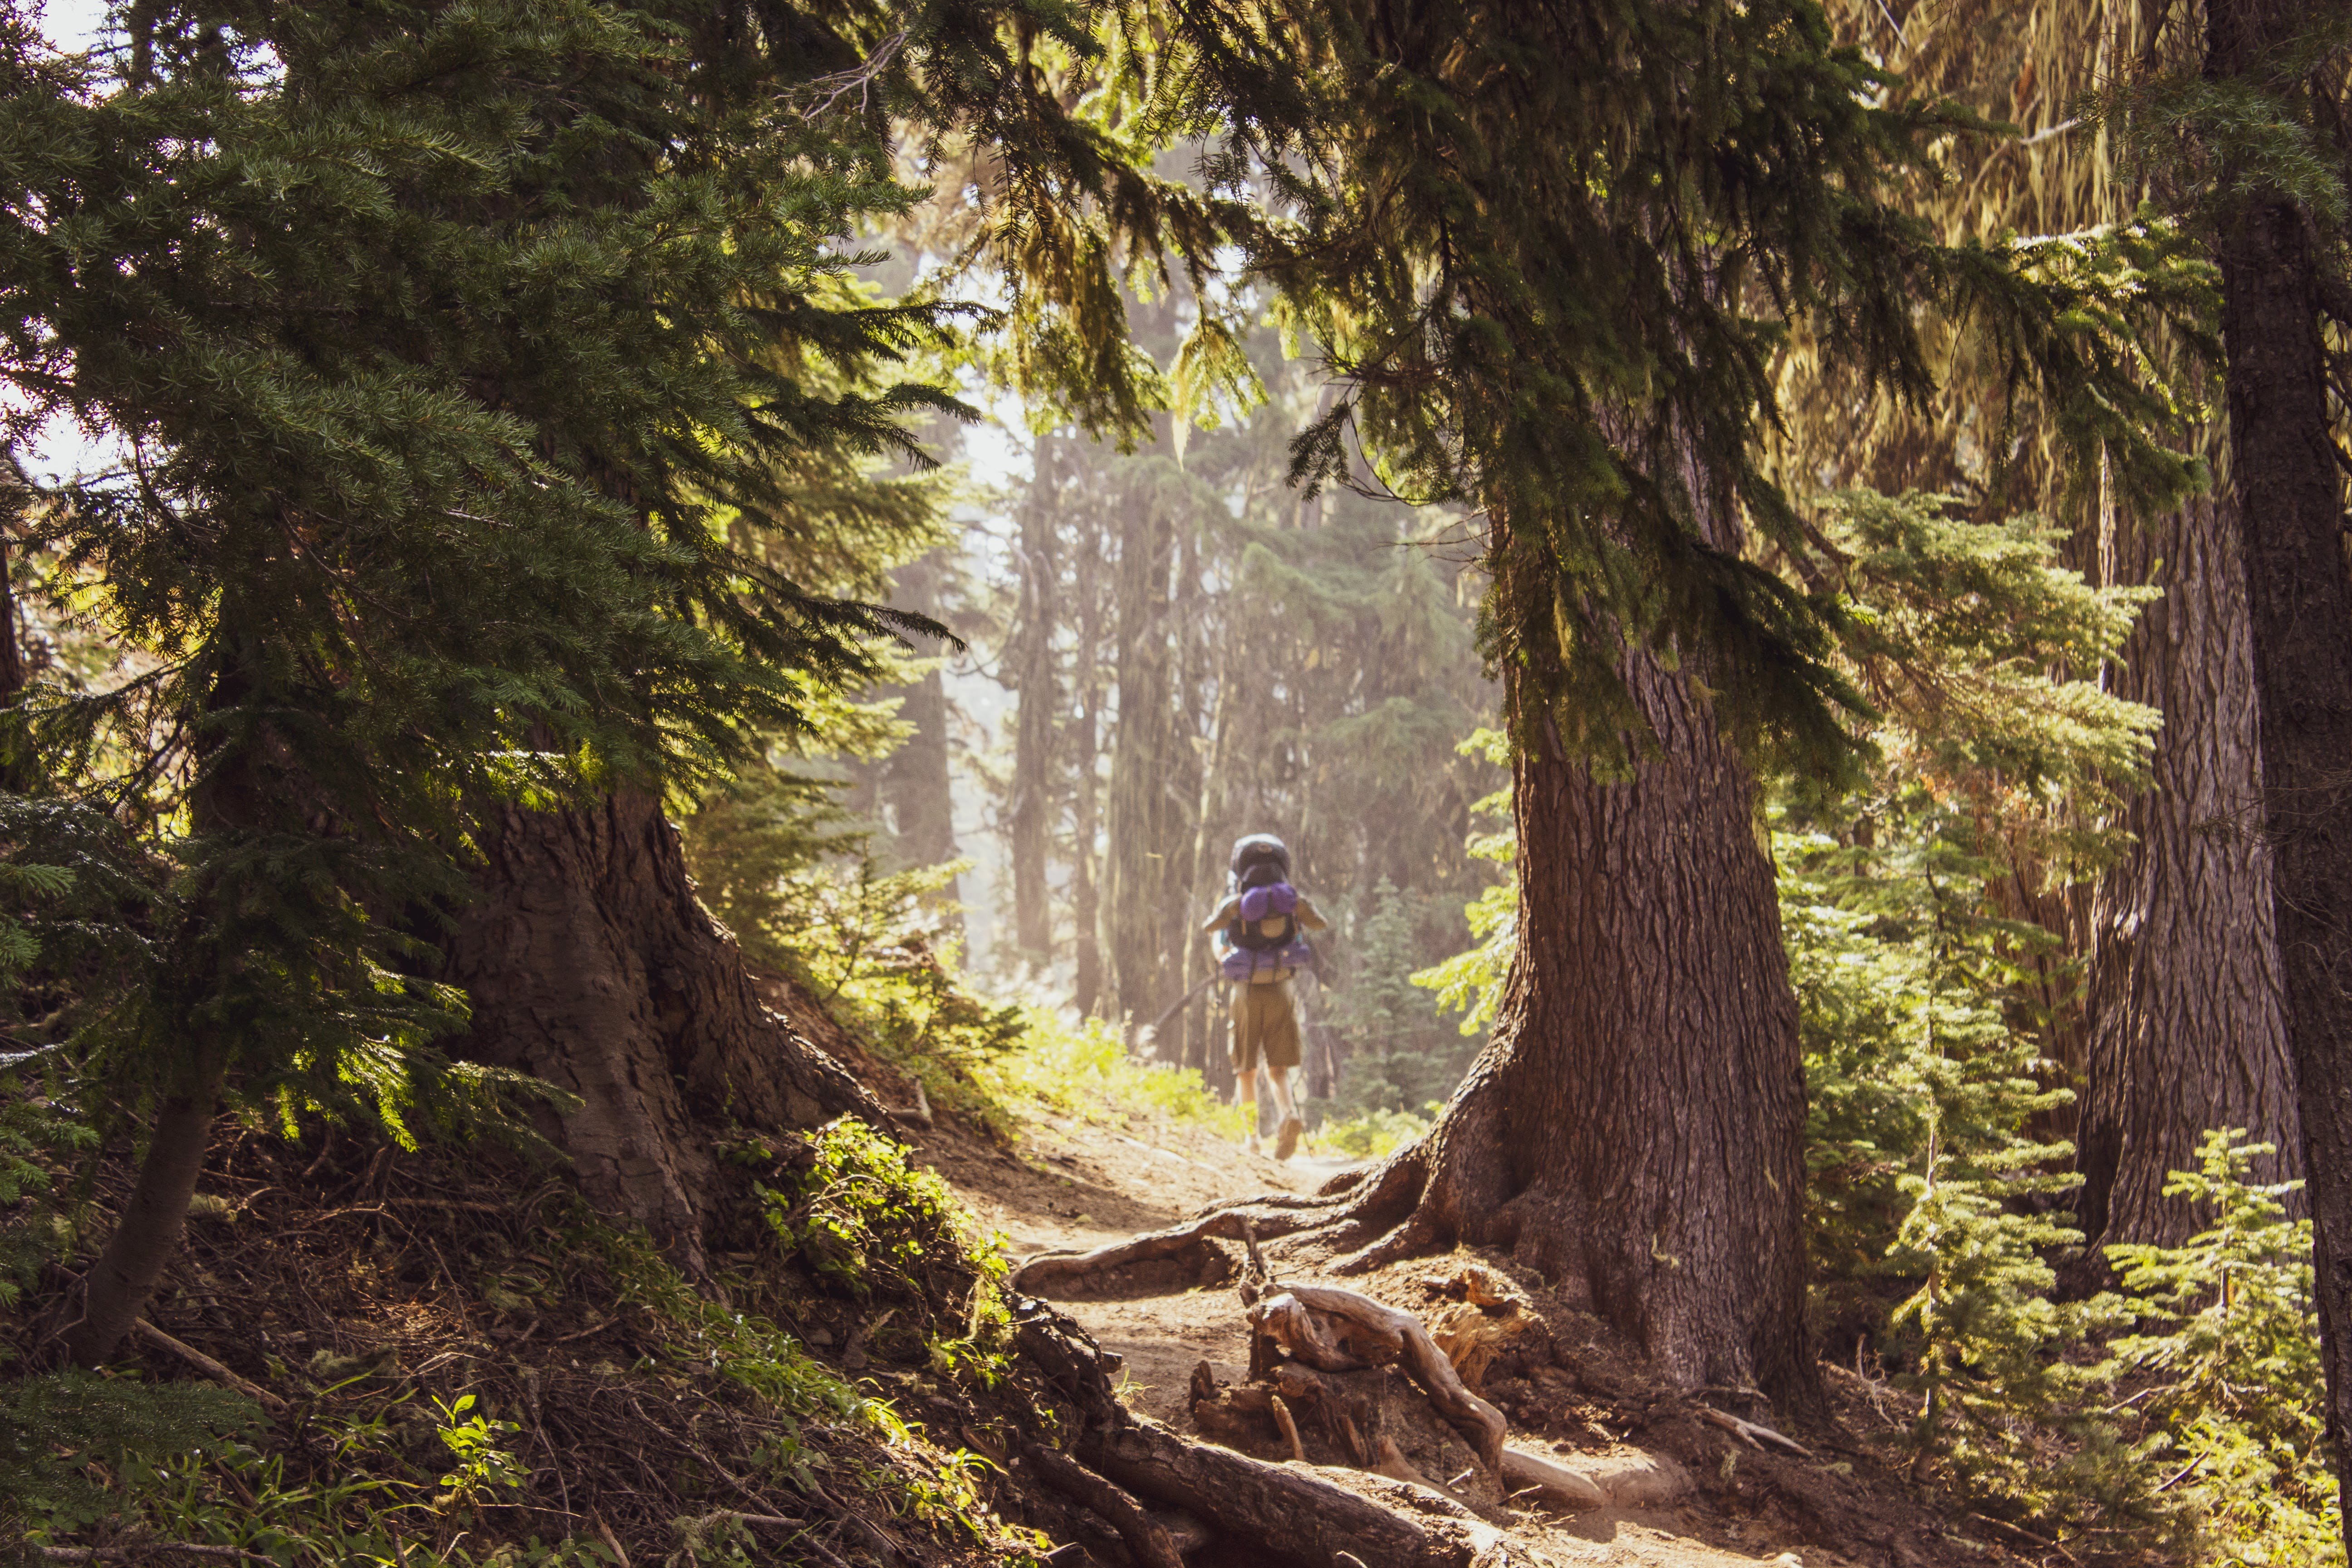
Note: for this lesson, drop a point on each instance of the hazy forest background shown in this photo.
(638, 633)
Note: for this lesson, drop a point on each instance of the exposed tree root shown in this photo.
(1303, 1316)
(1145, 1536)
(1367, 1209)
(1305, 1512)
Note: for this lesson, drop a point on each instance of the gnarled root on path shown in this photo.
(1363, 1208)
(1311, 1513)
(1314, 1323)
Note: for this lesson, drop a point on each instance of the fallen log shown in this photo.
(1311, 1512)
(1340, 1330)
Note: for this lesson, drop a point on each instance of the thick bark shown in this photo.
(147, 1238)
(1635, 1128)
(2185, 1032)
(1029, 669)
(1636, 1125)
(2290, 502)
(593, 966)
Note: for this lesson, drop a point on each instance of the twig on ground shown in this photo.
(1749, 1432)
(209, 1367)
(145, 1548)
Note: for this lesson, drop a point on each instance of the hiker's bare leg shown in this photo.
(1245, 1085)
(1280, 1081)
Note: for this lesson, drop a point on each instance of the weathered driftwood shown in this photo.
(1146, 1537)
(1311, 1513)
(1557, 1484)
(1338, 1331)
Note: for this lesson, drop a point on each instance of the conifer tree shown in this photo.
(1550, 251)
(452, 348)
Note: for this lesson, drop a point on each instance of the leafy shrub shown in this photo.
(1084, 1068)
(1371, 1134)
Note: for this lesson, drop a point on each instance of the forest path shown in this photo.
(1080, 1180)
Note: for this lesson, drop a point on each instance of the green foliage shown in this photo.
(1368, 1134)
(1399, 1052)
(869, 1225)
(2226, 1366)
(63, 1435)
(1084, 1068)
(2001, 1404)
(1472, 981)
(477, 1462)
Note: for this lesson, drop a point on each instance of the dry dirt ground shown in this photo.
(1075, 1183)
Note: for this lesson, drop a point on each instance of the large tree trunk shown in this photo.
(2185, 1033)
(2292, 510)
(1635, 1127)
(1636, 1124)
(591, 965)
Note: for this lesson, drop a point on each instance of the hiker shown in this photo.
(1260, 937)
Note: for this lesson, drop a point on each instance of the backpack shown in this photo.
(1264, 943)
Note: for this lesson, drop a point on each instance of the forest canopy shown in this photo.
(663, 596)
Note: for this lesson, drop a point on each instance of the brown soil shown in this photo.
(1077, 1183)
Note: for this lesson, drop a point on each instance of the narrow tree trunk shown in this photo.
(1030, 818)
(2291, 521)
(916, 782)
(1142, 870)
(593, 966)
(1636, 1125)
(1200, 878)
(2185, 1033)
(1086, 897)
(147, 1238)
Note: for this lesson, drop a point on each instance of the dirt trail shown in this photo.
(1077, 1184)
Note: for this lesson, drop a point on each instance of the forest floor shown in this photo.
(1076, 1181)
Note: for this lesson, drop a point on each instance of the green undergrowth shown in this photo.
(1368, 1134)
(1084, 1069)
(433, 1452)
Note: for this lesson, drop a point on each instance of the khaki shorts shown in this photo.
(1265, 1026)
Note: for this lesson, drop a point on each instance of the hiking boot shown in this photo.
(1289, 1144)
(1252, 1146)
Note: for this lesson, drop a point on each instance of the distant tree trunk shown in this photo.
(1029, 665)
(916, 783)
(1196, 1025)
(1086, 898)
(2185, 1033)
(2291, 521)
(593, 966)
(1142, 872)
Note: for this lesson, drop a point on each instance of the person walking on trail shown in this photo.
(1259, 932)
